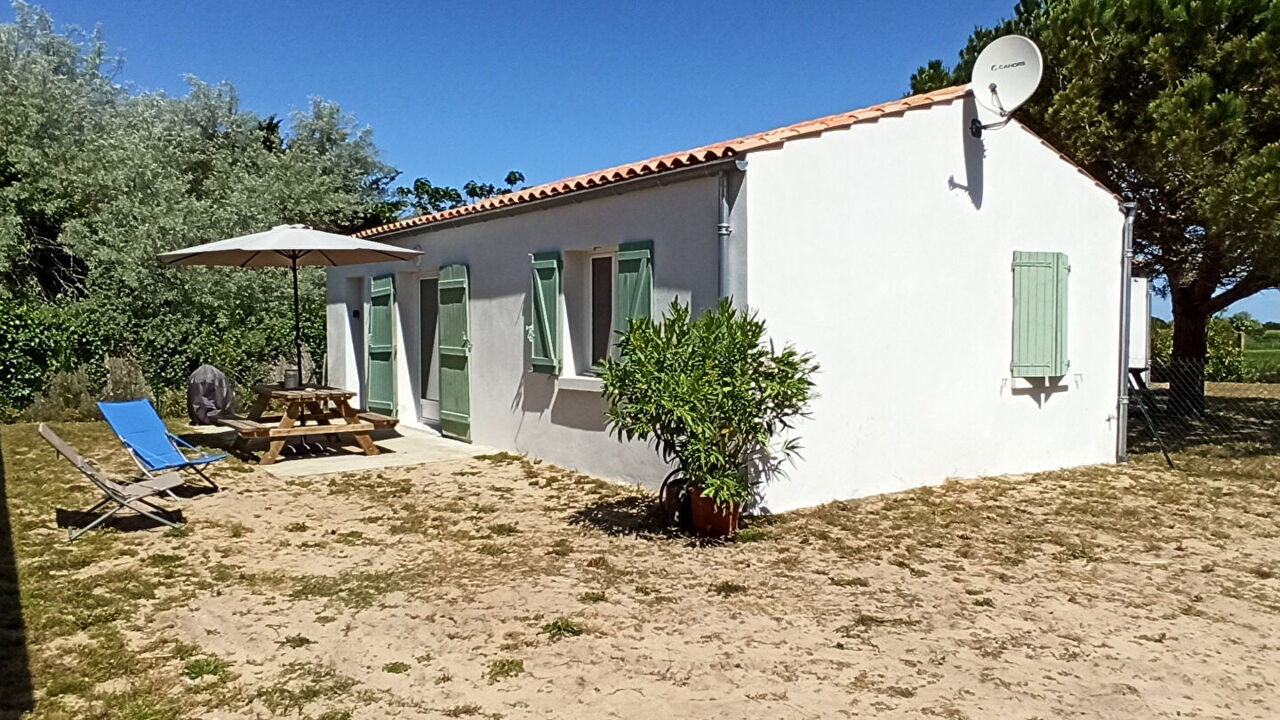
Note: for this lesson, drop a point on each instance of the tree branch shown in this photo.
(1246, 286)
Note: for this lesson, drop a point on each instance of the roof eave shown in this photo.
(732, 163)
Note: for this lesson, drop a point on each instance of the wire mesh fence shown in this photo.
(1175, 408)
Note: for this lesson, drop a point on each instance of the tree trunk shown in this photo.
(1186, 366)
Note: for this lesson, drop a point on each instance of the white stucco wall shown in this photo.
(513, 409)
(885, 250)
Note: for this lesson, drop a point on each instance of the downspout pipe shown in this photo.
(723, 231)
(1126, 291)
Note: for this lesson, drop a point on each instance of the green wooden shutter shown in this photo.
(1039, 314)
(633, 296)
(453, 325)
(381, 380)
(543, 331)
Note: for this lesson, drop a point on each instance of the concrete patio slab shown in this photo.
(399, 448)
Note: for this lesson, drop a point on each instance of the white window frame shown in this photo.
(588, 311)
(428, 409)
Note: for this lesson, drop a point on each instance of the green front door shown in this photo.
(455, 353)
(381, 396)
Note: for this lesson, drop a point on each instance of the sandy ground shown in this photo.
(402, 588)
(456, 589)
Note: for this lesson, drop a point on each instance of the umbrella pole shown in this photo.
(297, 321)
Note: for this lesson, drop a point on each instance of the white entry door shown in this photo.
(429, 366)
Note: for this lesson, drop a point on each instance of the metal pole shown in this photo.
(1126, 290)
(297, 319)
(722, 232)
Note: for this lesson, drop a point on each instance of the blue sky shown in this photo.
(456, 91)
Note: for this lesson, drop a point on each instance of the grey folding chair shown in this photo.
(131, 495)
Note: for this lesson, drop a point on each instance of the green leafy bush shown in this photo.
(713, 396)
(1225, 361)
(70, 396)
(33, 345)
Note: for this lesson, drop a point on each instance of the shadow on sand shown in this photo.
(638, 516)
(15, 669)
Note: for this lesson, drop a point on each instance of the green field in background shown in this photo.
(1263, 358)
(1269, 341)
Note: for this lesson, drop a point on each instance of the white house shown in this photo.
(962, 295)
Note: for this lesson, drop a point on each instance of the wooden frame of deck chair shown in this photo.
(131, 495)
(156, 450)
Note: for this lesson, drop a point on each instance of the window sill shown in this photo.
(580, 383)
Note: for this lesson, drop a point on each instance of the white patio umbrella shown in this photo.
(289, 246)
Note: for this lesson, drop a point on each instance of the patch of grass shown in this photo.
(334, 715)
(502, 459)
(905, 565)
(222, 573)
(238, 529)
(162, 560)
(863, 622)
(600, 562)
(462, 711)
(207, 666)
(352, 588)
(66, 684)
(563, 627)
(296, 527)
(900, 691)
(144, 703)
(1079, 549)
(296, 641)
(592, 596)
(178, 532)
(303, 683)
(396, 668)
(725, 588)
(504, 668)
(503, 529)
(325, 619)
(351, 537)
(850, 582)
(561, 548)
(984, 602)
(752, 534)
(491, 549)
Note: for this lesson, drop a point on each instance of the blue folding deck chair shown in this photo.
(152, 446)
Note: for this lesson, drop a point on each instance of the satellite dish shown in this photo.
(1006, 75)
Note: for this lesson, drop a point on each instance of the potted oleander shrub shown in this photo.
(717, 399)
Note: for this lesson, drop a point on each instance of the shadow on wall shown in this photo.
(1040, 389)
(975, 153)
(581, 410)
(537, 393)
(15, 673)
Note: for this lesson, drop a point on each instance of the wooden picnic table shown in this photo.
(309, 411)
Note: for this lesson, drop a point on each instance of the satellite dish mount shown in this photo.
(1005, 75)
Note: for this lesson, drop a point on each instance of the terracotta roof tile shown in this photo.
(676, 160)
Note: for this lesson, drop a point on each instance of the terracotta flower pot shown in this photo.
(710, 520)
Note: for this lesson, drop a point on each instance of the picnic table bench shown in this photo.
(309, 411)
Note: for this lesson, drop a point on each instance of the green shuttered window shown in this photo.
(1039, 314)
(543, 331)
(634, 294)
